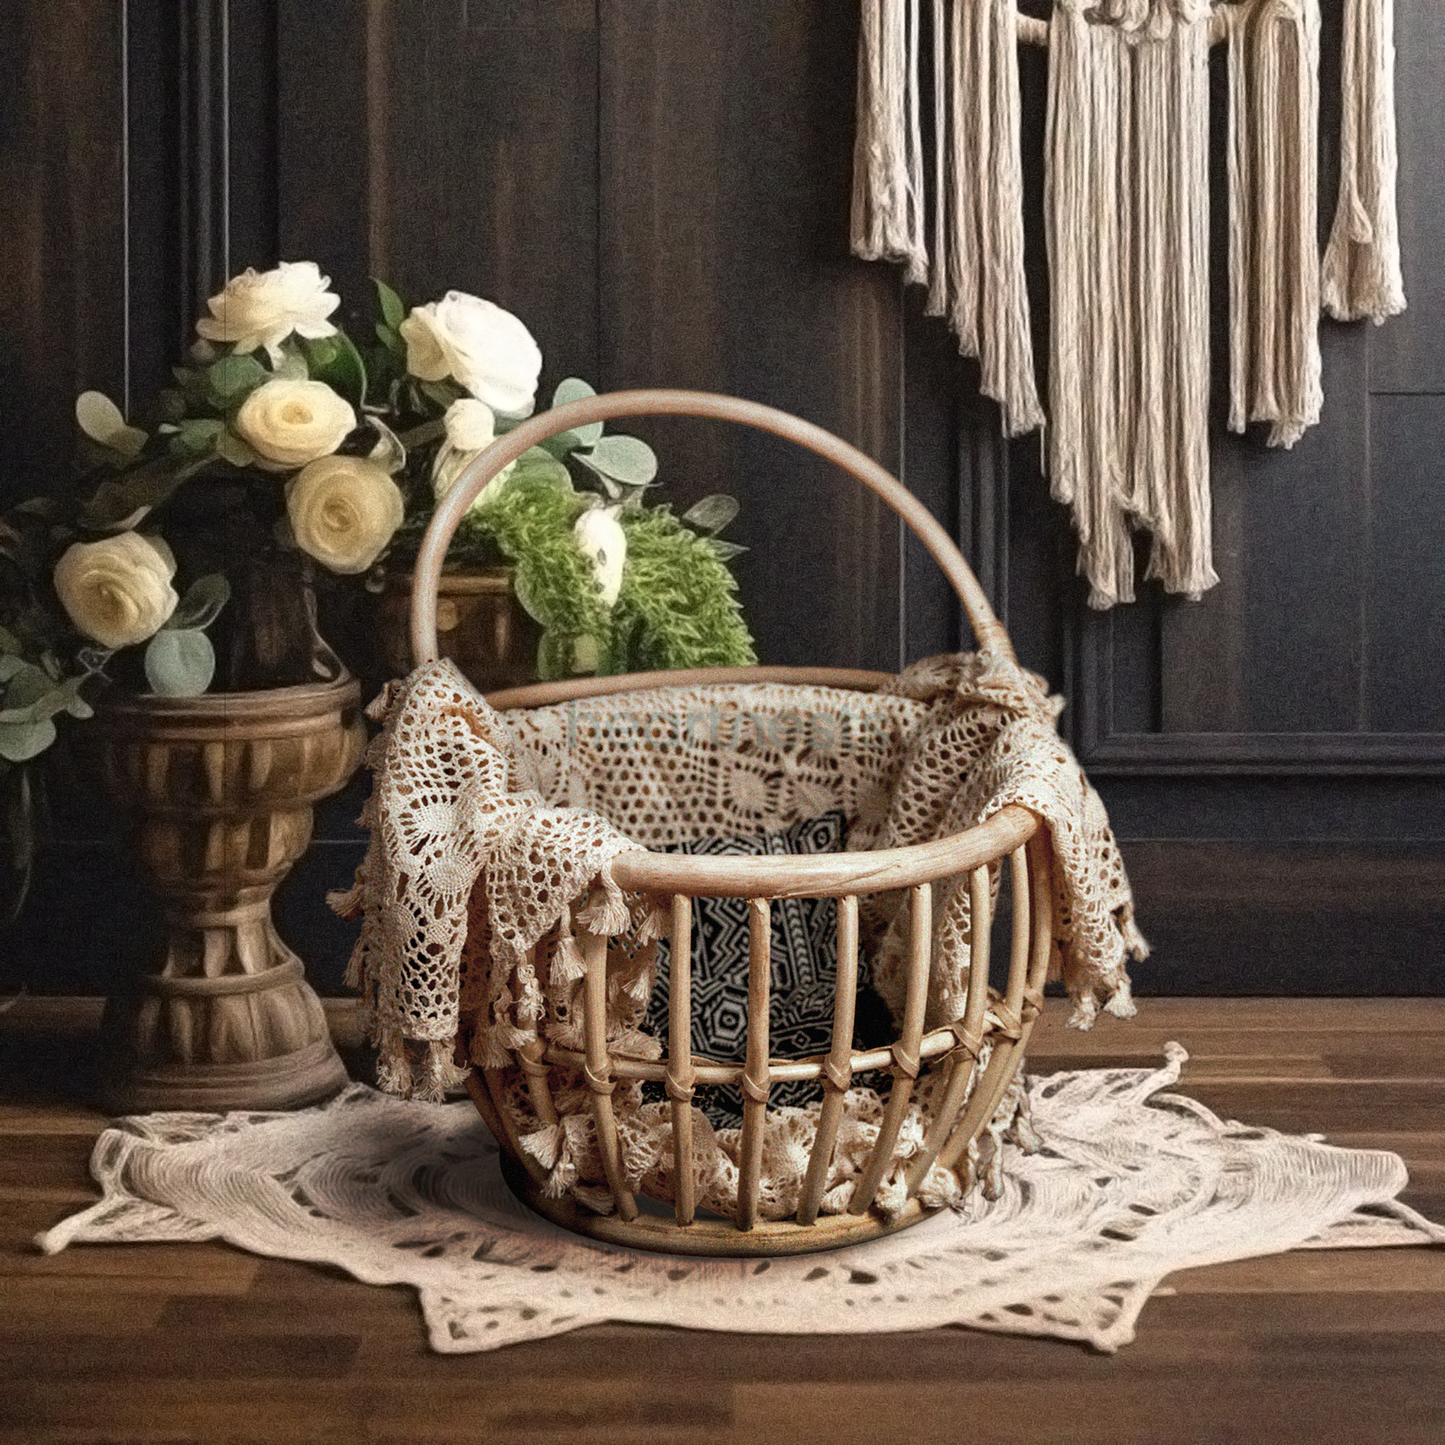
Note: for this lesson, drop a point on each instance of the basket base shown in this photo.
(660, 1234)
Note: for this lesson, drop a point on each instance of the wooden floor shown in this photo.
(163, 1343)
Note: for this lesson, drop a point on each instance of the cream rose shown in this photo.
(600, 536)
(343, 512)
(471, 429)
(289, 423)
(263, 308)
(471, 425)
(118, 590)
(479, 345)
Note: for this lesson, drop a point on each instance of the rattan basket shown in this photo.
(970, 1094)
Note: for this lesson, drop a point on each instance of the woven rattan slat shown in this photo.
(907, 1052)
(598, 1072)
(965, 1066)
(755, 1080)
(680, 1074)
(837, 1071)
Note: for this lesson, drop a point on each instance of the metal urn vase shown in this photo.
(481, 627)
(220, 790)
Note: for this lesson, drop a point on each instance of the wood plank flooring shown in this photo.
(168, 1344)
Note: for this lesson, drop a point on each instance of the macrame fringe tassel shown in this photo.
(393, 1067)
(1127, 218)
(568, 965)
(440, 1074)
(1274, 265)
(606, 910)
(976, 273)
(981, 238)
(887, 215)
(1361, 273)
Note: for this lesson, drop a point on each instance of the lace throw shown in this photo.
(491, 836)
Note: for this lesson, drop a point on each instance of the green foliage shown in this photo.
(711, 514)
(621, 463)
(573, 388)
(125, 500)
(180, 662)
(202, 603)
(531, 524)
(679, 605)
(336, 361)
(393, 308)
(233, 378)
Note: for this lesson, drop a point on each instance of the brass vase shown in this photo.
(480, 625)
(220, 789)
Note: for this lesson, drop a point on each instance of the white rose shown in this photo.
(471, 429)
(604, 543)
(118, 590)
(289, 423)
(471, 425)
(477, 344)
(263, 308)
(343, 512)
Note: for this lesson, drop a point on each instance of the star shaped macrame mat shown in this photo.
(1132, 1183)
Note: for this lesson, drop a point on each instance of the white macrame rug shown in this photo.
(1131, 1184)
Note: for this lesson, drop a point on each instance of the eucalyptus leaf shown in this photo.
(233, 377)
(539, 464)
(625, 459)
(230, 448)
(25, 686)
(43, 507)
(9, 646)
(101, 420)
(180, 663)
(192, 384)
(393, 308)
(97, 415)
(561, 445)
(19, 742)
(202, 603)
(712, 513)
(33, 696)
(573, 388)
(197, 437)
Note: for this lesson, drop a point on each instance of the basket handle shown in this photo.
(426, 574)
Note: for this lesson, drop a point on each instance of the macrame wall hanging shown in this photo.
(1126, 203)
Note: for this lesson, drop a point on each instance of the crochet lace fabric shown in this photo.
(1131, 1185)
(490, 834)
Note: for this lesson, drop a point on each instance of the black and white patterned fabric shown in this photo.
(804, 968)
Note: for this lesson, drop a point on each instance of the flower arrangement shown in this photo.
(184, 555)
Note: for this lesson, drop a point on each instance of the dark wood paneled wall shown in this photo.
(659, 188)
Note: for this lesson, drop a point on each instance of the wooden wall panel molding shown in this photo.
(1108, 748)
(726, 150)
(660, 189)
(1290, 917)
